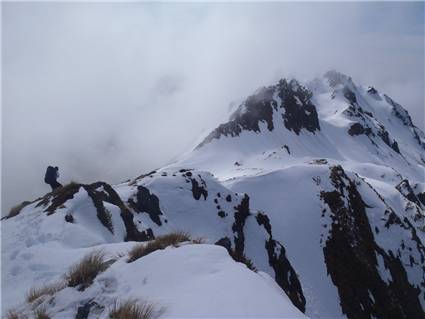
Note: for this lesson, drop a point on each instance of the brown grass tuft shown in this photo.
(161, 242)
(241, 258)
(41, 314)
(48, 289)
(13, 314)
(132, 309)
(14, 211)
(83, 273)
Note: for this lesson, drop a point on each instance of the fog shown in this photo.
(107, 91)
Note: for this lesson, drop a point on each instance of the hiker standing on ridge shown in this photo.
(51, 176)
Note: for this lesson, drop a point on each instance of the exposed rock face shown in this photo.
(199, 190)
(352, 253)
(289, 99)
(399, 112)
(406, 190)
(285, 275)
(241, 214)
(146, 203)
(299, 110)
(384, 135)
(99, 193)
(367, 124)
(257, 108)
(356, 129)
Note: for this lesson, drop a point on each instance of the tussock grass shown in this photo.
(48, 289)
(243, 259)
(161, 242)
(132, 309)
(65, 188)
(83, 273)
(14, 211)
(41, 314)
(12, 314)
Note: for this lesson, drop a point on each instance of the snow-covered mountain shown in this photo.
(320, 184)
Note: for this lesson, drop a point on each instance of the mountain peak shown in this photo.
(336, 78)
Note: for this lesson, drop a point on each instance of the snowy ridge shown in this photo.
(320, 184)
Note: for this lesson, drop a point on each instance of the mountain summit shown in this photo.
(309, 201)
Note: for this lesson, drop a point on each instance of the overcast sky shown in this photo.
(109, 91)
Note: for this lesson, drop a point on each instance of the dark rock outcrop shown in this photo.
(145, 202)
(300, 113)
(384, 135)
(99, 193)
(199, 190)
(257, 108)
(285, 274)
(356, 129)
(406, 190)
(297, 111)
(351, 254)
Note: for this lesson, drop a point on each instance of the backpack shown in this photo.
(50, 175)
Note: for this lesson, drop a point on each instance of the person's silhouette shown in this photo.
(51, 176)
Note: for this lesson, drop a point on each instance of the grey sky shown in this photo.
(107, 91)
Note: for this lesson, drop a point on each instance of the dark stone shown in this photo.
(229, 198)
(69, 218)
(287, 149)
(199, 190)
(147, 203)
(84, 311)
(371, 90)
(356, 129)
(221, 214)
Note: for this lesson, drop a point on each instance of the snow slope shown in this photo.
(320, 184)
(181, 282)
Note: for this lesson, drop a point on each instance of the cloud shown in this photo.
(108, 90)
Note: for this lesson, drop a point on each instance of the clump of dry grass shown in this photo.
(132, 309)
(66, 187)
(160, 242)
(14, 211)
(41, 314)
(13, 314)
(83, 273)
(243, 259)
(48, 289)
